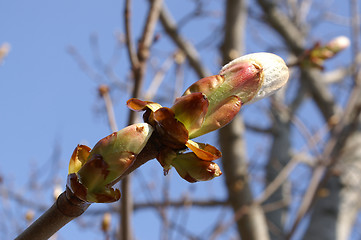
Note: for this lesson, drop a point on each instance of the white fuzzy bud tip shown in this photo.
(275, 72)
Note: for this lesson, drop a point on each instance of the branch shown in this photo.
(189, 50)
(104, 93)
(139, 64)
(128, 35)
(333, 150)
(66, 208)
(296, 39)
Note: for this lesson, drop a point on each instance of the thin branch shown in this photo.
(296, 39)
(83, 65)
(128, 35)
(158, 78)
(278, 181)
(258, 129)
(139, 68)
(66, 208)
(189, 50)
(333, 150)
(104, 93)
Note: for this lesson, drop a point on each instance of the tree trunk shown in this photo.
(250, 218)
(279, 156)
(338, 204)
(322, 224)
(350, 193)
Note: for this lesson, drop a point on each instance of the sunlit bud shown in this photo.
(29, 215)
(4, 51)
(243, 80)
(338, 44)
(191, 110)
(103, 90)
(193, 169)
(172, 133)
(106, 222)
(316, 56)
(207, 105)
(270, 68)
(92, 173)
(57, 191)
(165, 158)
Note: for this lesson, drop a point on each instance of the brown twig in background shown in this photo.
(66, 208)
(158, 78)
(189, 50)
(138, 62)
(333, 150)
(104, 93)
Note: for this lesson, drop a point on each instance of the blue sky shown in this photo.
(46, 100)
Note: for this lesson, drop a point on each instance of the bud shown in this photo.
(106, 222)
(244, 80)
(338, 44)
(165, 158)
(316, 56)
(172, 133)
(273, 73)
(103, 90)
(191, 110)
(92, 172)
(4, 51)
(29, 215)
(207, 105)
(193, 169)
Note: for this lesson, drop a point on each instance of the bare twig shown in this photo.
(278, 181)
(83, 65)
(139, 67)
(66, 208)
(128, 34)
(346, 126)
(104, 92)
(189, 50)
(158, 78)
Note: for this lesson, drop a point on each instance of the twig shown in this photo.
(128, 35)
(138, 66)
(278, 181)
(83, 65)
(189, 50)
(341, 132)
(66, 208)
(158, 78)
(104, 93)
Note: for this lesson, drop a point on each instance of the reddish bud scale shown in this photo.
(191, 110)
(193, 169)
(172, 133)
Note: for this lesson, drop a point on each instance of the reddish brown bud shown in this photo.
(193, 169)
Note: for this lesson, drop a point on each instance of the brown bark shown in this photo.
(279, 156)
(66, 208)
(251, 224)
